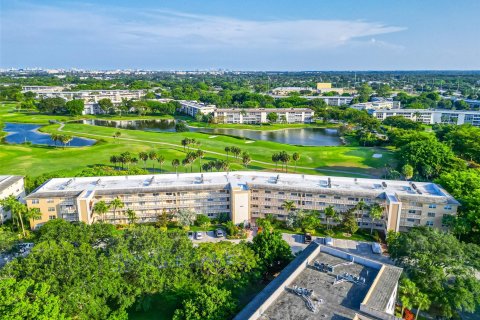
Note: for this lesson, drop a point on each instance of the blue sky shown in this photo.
(241, 35)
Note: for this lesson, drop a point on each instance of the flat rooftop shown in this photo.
(340, 301)
(249, 180)
(259, 110)
(7, 181)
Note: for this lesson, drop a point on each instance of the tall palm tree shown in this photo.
(246, 159)
(330, 214)
(114, 160)
(65, 139)
(161, 161)
(422, 301)
(225, 165)
(152, 155)
(185, 143)
(227, 150)
(289, 205)
(144, 157)
(101, 208)
(16, 208)
(185, 163)
(206, 167)
(55, 138)
(200, 154)
(376, 212)
(116, 204)
(175, 164)
(296, 157)
(361, 205)
(276, 159)
(132, 216)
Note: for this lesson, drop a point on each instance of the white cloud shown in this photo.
(162, 28)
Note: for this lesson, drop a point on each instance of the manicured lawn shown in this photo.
(35, 160)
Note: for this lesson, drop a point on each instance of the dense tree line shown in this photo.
(94, 272)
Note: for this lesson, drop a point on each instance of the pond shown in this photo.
(24, 132)
(293, 136)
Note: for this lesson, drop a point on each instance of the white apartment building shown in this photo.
(10, 185)
(376, 105)
(245, 196)
(284, 91)
(42, 89)
(254, 116)
(191, 108)
(329, 100)
(432, 116)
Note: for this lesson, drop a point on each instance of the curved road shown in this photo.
(207, 151)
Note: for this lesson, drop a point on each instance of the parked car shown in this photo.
(199, 235)
(307, 238)
(376, 248)
(328, 241)
(219, 233)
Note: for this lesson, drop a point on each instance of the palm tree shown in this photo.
(101, 208)
(225, 165)
(55, 137)
(116, 204)
(132, 216)
(376, 212)
(134, 161)
(246, 159)
(200, 154)
(289, 205)
(227, 150)
(422, 301)
(236, 151)
(361, 205)
(185, 163)
(330, 214)
(296, 157)
(284, 158)
(118, 134)
(16, 208)
(175, 164)
(114, 160)
(276, 159)
(65, 139)
(161, 161)
(126, 158)
(152, 155)
(32, 213)
(185, 143)
(207, 167)
(144, 157)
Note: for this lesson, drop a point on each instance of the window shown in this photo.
(429, 223)
(268, 199)
(51, 209)
(412, 211)
(431, 214)
(432, 206)
(337, 197)
(308, 195)
(156, 194)
(280, 208)
(448, 207)
(294, 194)
(268, 191)
(141, 195)
(322, 196)
(267, 207)
(52, 217)
(281, 193)
(49, 200)
(35, 201)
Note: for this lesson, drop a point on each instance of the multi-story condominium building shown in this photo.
(10, 185)
(284, 91)
(191, 108)
(43, 89)
(376, 105)
(432, 116)
(253, 116)
(245, 196)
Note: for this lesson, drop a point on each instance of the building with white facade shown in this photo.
(432, 116)
(285, 91)
(260, 115)
(245, 196)
(376, 105)
(42, 89)
(10, 185)
(191, 108)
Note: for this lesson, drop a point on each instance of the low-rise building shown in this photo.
(191, 108)
(260, 115)
(326, 283)
(285, 91)
(432, 116)
(324, 87)
(245, 196)
(377, 105)
(42, 89)
(10, 185)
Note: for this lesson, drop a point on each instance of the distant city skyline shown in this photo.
(212, 35)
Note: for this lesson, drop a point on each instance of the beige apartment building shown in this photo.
(245, 196)
(10, 185)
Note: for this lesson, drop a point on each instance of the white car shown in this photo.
(198, 235)
(328, 241)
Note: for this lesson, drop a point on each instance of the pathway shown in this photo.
(211, 152)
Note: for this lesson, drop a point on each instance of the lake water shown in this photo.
(23, 132)
(294, 136)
